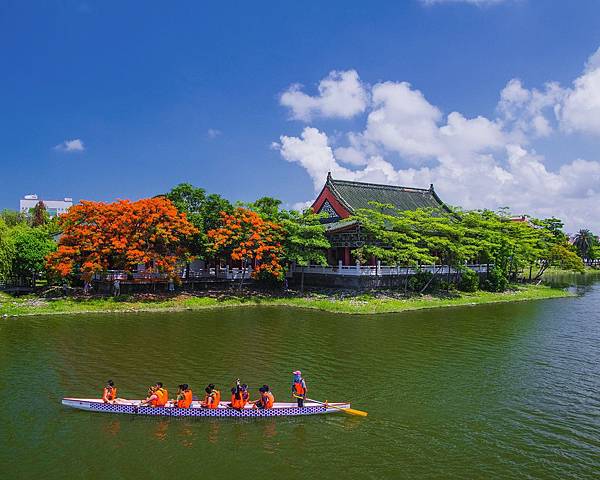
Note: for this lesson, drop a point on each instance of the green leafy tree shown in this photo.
(31, 247)
(13, 218)
(555, 226)
(414, 237)
(39, 215)
(202, 210)
(7, 251)
(266, 207)
(454, 238)
(594, 253)
(304, 240)
(584, 241)
(392, 236)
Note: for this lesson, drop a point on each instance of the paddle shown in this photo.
(349, 411)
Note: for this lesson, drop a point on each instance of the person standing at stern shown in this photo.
(299, 388)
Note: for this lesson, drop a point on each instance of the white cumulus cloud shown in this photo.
(75, 145)
(341, 94)
(581, 108)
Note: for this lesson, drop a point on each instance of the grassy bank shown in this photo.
(359, 304)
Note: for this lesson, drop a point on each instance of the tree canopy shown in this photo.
(7, 251)
(453, 238)
(31, 247)
(247, 237)
(202, 210)
(100, 236)
(584, 242)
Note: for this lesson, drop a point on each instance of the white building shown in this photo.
(53, 207)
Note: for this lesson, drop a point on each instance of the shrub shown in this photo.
(418, 281)
(469, 281)
(496, 280)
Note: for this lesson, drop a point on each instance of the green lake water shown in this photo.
(496, 391)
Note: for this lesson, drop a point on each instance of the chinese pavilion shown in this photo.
(339, 199)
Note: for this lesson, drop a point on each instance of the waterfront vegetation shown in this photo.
(366, 303)
(165, 233)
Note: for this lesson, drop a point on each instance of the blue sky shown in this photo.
(105, 100)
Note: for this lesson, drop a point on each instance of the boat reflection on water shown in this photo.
(240, 432)
(213, 431)
(112, 428)
(160, 431)
(186, 436)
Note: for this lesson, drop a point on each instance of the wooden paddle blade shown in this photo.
(351, 411)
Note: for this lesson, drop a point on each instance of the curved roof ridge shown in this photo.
(333, 181)
(330, 183)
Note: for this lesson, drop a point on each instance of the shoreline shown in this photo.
(366, 304)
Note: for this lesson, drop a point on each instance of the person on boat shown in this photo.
(157, 396)
(266, 400)
(152, 399)
(299, 388)
(184, 396)
(109, 395)
(162, 393)
(245, 393)
(212, 398)
(238, 399)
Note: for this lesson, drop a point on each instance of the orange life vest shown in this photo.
(216, 395)
(188, 398)
(238, 402)
(109, 394)
(268, 400)
(163, 397)
(155, 402)
(235, 402)
(299, 389)
(186, 401)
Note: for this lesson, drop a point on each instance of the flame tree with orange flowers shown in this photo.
(99, 236)
(247, 237)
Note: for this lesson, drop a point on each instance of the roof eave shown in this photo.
(330, 183)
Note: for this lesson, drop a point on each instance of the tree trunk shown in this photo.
(302, 281)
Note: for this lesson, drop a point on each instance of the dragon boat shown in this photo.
(134, 407)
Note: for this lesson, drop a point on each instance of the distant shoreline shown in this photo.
(354, 305)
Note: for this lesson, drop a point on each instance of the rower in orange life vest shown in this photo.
(157, 396)
(266, 399)
(162, 393)
(152, 398)
(239, 396)
(299, 388)
(212, 398)
(109, 395)
(184, 396)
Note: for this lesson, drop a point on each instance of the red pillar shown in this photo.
(346, 255)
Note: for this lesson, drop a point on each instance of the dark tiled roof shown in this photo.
(356, 195)
(339, 225)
